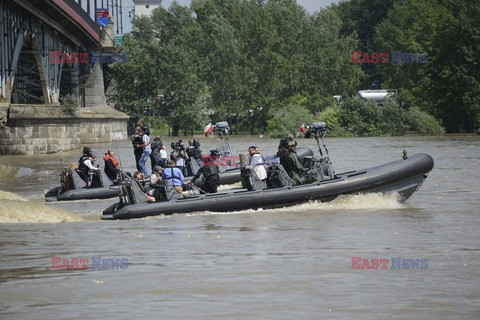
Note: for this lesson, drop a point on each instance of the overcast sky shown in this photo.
(310, 5)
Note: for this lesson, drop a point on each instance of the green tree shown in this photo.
(287, 120)
(448, 86)
(361, 117)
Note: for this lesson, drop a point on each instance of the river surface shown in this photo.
(291, 263)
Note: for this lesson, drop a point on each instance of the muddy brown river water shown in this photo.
(291, 263)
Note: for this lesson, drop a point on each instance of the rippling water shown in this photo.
(291, 263)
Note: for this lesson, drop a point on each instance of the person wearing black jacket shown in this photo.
(211, 178)
(194, 151)
(156, 145)
(137, 142)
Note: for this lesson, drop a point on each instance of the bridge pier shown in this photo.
(32, 85)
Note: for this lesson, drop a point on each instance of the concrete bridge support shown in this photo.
(33, 83)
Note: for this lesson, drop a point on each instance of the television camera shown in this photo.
(177, 146)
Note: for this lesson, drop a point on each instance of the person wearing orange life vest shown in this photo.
(111, 165)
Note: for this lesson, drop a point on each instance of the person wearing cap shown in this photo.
(283, 145)
(257, 164)
(294, 166)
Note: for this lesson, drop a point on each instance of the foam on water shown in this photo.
(16, 209)
(370, 201)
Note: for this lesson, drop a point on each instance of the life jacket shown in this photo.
(284, 160)
(82, 167)
(191, 151)
(172, 175)
(211, 172)
(197, 154)
(137, 140)
(114, 161)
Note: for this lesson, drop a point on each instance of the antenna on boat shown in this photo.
(121, 175)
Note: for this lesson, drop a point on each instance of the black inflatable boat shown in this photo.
(403, 177)
(73, 187)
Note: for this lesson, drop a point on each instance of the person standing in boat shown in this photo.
(156, 146)
(180, 156)
(211, 177)
(137, 142)
(112, 168)
(175, 177)
(294, 166)
(147, 150)
(194, 151)
(257, 163)
(163, 157)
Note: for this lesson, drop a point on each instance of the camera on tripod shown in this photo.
(316, 129)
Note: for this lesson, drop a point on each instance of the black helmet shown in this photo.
(146, 130)
(87, 151)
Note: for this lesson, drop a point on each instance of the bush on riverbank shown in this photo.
(288, 120)
(358, 117)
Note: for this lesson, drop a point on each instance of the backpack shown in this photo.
(211, 172)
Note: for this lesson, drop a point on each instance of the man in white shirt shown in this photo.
(146, 151)
(85, 166)
(257, 164)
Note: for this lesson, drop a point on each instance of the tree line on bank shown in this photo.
(267, 66)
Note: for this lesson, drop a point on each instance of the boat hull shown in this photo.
(403, 177)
